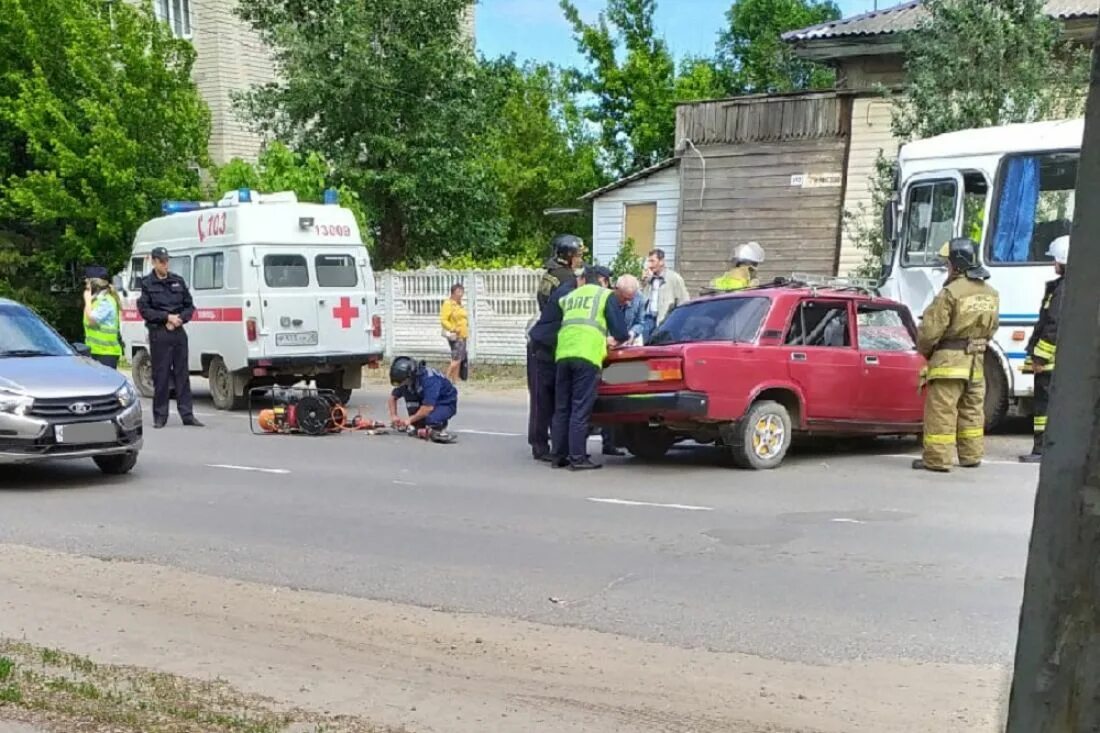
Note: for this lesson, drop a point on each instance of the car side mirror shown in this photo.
(116, 281)
(82, 349)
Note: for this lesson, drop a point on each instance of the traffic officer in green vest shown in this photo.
(592, 318)
(745, 259)
(1043, 346)
(102, 316)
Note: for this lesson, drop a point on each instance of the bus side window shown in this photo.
(929, 221)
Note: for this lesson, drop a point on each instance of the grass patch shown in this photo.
(73, 693)
(7, 667)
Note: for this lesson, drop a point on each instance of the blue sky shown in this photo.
(535, 29)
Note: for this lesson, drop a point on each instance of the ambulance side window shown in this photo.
(209, 272)
(286, 271)
(336, 271)
(182, 267)
(137, 271)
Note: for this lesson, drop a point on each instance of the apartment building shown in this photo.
(230, 57)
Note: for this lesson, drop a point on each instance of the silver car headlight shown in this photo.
(126, 395)
(14, 403)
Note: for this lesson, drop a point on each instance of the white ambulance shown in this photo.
(283, 291)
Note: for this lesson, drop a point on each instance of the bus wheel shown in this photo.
(226, 388)
(996, 392)
(142, 373)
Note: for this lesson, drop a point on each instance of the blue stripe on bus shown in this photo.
(1019, 316)
(1016, 355)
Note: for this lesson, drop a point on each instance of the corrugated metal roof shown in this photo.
(644, 173)
(908, 16)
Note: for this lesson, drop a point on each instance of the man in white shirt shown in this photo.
(663, 289)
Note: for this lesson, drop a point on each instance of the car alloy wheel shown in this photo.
(768, 437)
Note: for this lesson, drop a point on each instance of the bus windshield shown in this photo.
(1033, 207)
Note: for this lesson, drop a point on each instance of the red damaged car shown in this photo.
(751, 369)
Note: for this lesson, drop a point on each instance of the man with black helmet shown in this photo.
(563, 270)
(430, 398)
(954, 335)
(563, 267)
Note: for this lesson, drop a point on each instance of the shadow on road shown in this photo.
(58, 476)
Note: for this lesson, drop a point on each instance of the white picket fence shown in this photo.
(499, 304)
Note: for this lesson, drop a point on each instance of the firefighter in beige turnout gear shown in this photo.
(954, 334)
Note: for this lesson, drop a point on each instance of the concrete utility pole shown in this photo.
(1056, 688)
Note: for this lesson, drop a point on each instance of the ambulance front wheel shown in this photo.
(227, 389)
(142, 372)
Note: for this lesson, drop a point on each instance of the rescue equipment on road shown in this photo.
(303, 411)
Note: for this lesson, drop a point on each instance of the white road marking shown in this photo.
(491, 432)
(231, 467)
(911, 456)
(404, 483)
(627, 502)
(846, 520)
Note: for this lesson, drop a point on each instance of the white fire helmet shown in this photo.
(751, 252)
(1059, 250)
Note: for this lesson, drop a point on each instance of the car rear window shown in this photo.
(718, 319)
(336, 271)
(286, 271)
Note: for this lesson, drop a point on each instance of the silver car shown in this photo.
(56, 403)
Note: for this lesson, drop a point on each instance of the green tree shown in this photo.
(99, 123)
(281, 169)
(976, 63)
(387, 92)
(626, 261)
(635, 82)
(753, 56)
(540, 155)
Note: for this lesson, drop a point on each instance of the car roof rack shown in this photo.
(865, 286)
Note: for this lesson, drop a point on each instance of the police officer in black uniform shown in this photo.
(166, 306)
(559, 277)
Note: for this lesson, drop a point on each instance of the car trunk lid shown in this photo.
(644, 369)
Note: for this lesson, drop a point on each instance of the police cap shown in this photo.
(160, 253)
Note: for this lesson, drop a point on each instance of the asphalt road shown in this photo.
(837, 555)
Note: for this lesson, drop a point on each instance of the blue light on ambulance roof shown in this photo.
(178, 207)
(332, 196)
(244, 196)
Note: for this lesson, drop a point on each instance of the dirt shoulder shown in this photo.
(407, 666)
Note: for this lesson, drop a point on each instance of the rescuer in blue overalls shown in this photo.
(430, 398)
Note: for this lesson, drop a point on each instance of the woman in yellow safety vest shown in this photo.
(745, 259)
(102, 316)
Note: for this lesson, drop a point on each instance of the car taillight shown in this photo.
(250, 329)
(376, 327)
(665, 370)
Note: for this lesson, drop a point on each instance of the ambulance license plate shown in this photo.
(85, 433)
(305, 338)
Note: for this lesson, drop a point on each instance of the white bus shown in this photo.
(1011, 189)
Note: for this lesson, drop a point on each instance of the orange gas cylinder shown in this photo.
(266, 421)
